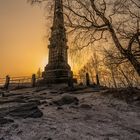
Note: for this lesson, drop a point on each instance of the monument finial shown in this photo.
(58, 14)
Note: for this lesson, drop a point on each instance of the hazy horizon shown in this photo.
(22, 30)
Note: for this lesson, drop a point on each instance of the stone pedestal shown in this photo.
(56, 73)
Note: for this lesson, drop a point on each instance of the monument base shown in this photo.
(57, 74)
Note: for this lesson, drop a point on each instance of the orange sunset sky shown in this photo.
(23, 48)
(23, 41)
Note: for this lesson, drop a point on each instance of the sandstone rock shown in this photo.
(49, 139)
(59, 108)
(44, 93)
(74, 106)
(14, 126)
(40, 89)
(85, 106)
(36, 101)
(54, 92)
(29, 110)
(5, 121)
(67, 99)
(43, 102)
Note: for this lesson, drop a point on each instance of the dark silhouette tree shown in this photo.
(94, 20)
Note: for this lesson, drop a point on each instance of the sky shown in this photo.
(23, 48)
(23, 41)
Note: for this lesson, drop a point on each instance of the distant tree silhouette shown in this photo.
(39, 73)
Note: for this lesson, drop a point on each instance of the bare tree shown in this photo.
(94, 20)
(122, 72)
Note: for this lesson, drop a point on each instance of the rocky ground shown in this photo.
(63, 114)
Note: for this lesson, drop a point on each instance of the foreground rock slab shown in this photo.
(98, 116)
(5, 121)
(28, 110)
(66, 99)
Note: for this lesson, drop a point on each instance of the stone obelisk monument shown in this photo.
(57, 70)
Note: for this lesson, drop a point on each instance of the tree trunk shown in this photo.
(97, 80)
(133, 61)
(113, 78)
(117, 43)
(126, 78)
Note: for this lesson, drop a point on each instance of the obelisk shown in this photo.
(57, 70)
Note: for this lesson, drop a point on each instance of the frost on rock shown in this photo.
(96, 116)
